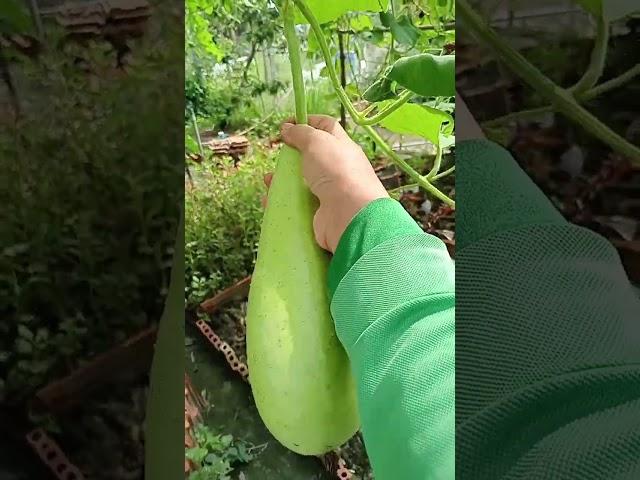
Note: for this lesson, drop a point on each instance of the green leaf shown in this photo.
(196, 454)
(379, 90)
(361, 22)
(212, 458)
(402, 29)
(226, 440)
(243, 454)
(427, 75)
(413, 119)
(328, 10)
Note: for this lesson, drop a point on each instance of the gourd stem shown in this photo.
(419, 179)
(402, 188)
(293, 47)
(598, 59)
(388, 110)
(333, 75)
(561, 98)
(444, 174)
(613, 83)
(595, 92)
(326, 53)
(344, 98)
(436, 163)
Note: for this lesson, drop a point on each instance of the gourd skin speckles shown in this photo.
(299, 372)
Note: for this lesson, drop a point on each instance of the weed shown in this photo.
(215, 455)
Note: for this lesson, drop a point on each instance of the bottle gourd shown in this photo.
(298, 370)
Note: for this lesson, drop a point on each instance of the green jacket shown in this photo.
(529, 401)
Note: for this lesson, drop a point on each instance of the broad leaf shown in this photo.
(361, 23)
(425, 74)
(381, 89)
(402, 29)
(328, 10)
(413, 119)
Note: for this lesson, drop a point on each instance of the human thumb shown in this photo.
(297, 136)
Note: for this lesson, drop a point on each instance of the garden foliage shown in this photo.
(222, 223)
(91, 192)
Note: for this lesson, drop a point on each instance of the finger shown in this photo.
(329, 125)
(268, 178)
(326, 124)
(298, 136)
(263, 201)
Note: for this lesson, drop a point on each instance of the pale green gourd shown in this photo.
(299, 372)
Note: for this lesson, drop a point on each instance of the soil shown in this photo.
(229, 324)
(232, 411)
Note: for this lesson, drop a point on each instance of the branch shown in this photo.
(326, 53)
(344, 98)
(613, 83)
(562, 99)
(598, 59)
(254, 48)
(408, 169)
(444, 174)
(333, 76)
(388, 110)
(447, 26)
(587, 96)
(436, 163)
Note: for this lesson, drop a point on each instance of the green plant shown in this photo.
(403, 79)
(567, 101)
(223, 214)
(92, 193)
(217, 85)
(288, 297)
(215, 455)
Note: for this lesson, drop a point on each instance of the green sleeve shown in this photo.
(548, 345)
(393, 303)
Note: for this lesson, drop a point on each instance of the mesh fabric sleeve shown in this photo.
(393, 305)
(548, 344)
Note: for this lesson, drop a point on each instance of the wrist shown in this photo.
(346, 207)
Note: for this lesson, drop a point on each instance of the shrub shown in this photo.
(91, 188)
(222, 223)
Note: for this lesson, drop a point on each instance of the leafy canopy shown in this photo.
(328, 10)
